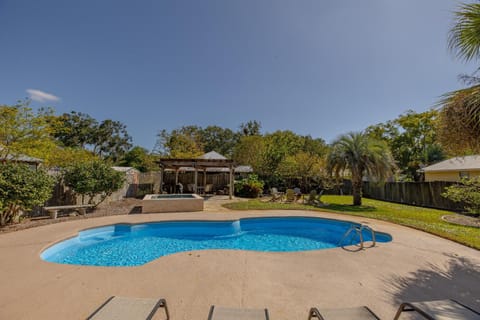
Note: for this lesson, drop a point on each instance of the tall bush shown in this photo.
(21, 189)
(250, 187)
(93, 179)
(468, 192)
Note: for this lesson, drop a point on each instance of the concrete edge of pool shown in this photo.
(157, 203)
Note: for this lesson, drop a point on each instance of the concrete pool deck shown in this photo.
(414, 266)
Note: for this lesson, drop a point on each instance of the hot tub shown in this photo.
(153, 203)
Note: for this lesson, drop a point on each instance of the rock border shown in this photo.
(462, 220)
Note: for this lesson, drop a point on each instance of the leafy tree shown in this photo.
(467, 192)
(362, 156)
(191, 141)
(108, 139)
(184, 142)
(93, 179)
(412, 138)
(63, 157)
(250, 187)
(278, 145)
(249, 151)
(21, 189)
(23, 132)
(304, 168)
(250, 128)
(215, 138)
(316, 147)
(74, 129)
(140, 159)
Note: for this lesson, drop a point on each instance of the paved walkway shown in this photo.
(414, 266)
(214, 203)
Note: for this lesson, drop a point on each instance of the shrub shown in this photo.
(468, 192)
(21, 189)
(250, 187)
(93, 179)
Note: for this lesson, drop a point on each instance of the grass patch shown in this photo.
(424, 219)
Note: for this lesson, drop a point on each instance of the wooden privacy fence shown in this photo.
(141, 184)
(218, 179)
(424, 194)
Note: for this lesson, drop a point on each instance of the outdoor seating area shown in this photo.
(122, 308)
(289, 196)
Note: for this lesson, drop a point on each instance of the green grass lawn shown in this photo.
(424, 219)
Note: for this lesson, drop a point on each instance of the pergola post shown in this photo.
(161, 180)
(204, 179)
(176, 180)
(230, 189)
(196, 181)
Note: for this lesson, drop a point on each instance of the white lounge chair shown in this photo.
(121, 308)
(439, 310)
(219, 313)
(276, 195)
(357, 313)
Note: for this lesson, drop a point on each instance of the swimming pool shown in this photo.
(138, 244)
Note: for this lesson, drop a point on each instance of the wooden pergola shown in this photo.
(197, 164)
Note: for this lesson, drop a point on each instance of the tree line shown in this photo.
(396, 148)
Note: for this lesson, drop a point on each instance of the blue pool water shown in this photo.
(137, 244)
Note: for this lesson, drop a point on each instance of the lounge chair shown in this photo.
(276, 195)
(208, 188)
(357, 313)
(314, 199)
(439, 309)
(290, 196)
(219, 313)
(120, 308)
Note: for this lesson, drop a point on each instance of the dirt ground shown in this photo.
(120, 207)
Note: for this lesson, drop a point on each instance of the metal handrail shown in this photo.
(359, 233)
(374, 241)
(359, 230)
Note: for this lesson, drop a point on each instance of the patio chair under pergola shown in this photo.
(210, 160)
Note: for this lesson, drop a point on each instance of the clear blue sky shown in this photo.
(315, 67)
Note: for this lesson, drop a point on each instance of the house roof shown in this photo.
(213, 155)
(237, 169)
(125, 169)
(455, 164)
(210, 162)
(21, 158)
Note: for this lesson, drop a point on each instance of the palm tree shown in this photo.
(463, 104)
(362, 156)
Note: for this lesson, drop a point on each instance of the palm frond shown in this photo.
(464, 37)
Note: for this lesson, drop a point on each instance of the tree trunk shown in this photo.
(357, 191)
(3, 219)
